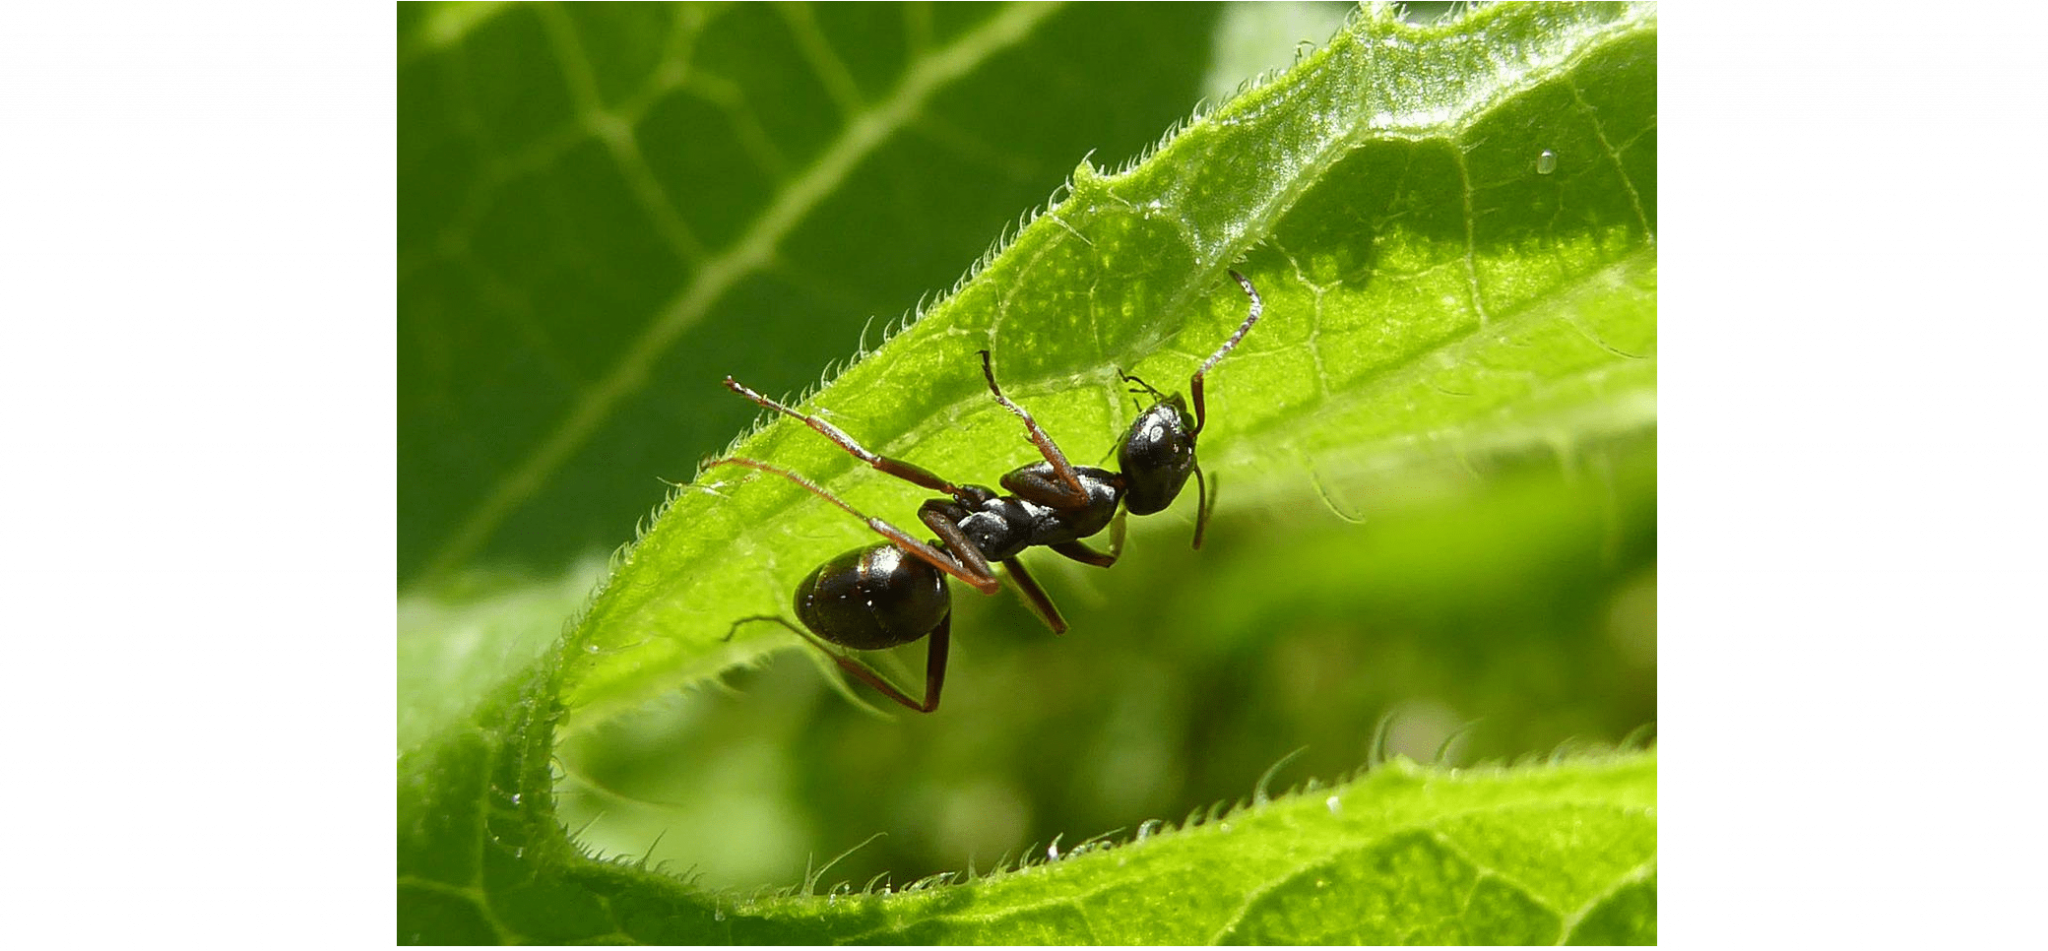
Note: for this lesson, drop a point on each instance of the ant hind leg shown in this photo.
(909, 472)
(935, 661)
(983, 579)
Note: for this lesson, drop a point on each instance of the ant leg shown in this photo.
(735, 628)
(984, 581)
(1157, 397)
(1070, 492)
(1035, 596)
(1089, 556)
(935, 662)
(1142, 387)
(908, 472)
(945, 525)
(1195, 384)
(934, 669)
(1205, 502)
(1084, 554)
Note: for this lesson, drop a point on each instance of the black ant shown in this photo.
(894, 593)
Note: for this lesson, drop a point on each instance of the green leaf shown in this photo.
(1430, 294)
(1564, 853)
(592, 199)
(1438, 307)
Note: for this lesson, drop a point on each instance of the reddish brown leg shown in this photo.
(908, 472)
(934, 662)
(979, 574)
(1205, 503)
(957, 544)
(1035, 596)
(1071, 495)
(935, 517)
(1089, 556)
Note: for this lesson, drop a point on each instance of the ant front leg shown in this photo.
(1142, 387)
(934, 662)
(1205, 502)
(908, 472)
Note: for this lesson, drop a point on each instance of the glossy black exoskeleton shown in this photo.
(894, 593)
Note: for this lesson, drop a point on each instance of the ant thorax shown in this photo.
(1000, 526)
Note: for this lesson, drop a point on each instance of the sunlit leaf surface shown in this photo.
(1436, 453)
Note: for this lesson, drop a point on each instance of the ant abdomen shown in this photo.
(873, 598)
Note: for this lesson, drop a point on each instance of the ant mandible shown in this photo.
(894, 593)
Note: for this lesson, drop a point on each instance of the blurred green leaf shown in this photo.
(605, 209)
(1564, 853)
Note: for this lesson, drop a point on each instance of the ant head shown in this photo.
(1157, 455)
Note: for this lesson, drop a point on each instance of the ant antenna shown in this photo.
(1195, 384)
